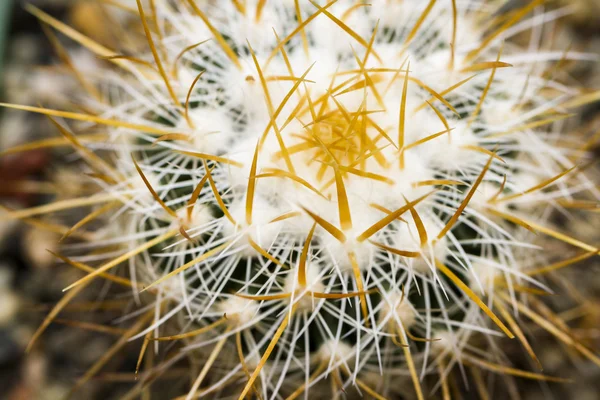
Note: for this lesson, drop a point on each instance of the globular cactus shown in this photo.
(331, 197)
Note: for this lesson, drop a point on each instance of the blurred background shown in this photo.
(31, 281)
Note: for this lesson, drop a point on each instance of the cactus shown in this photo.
(325, 198)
